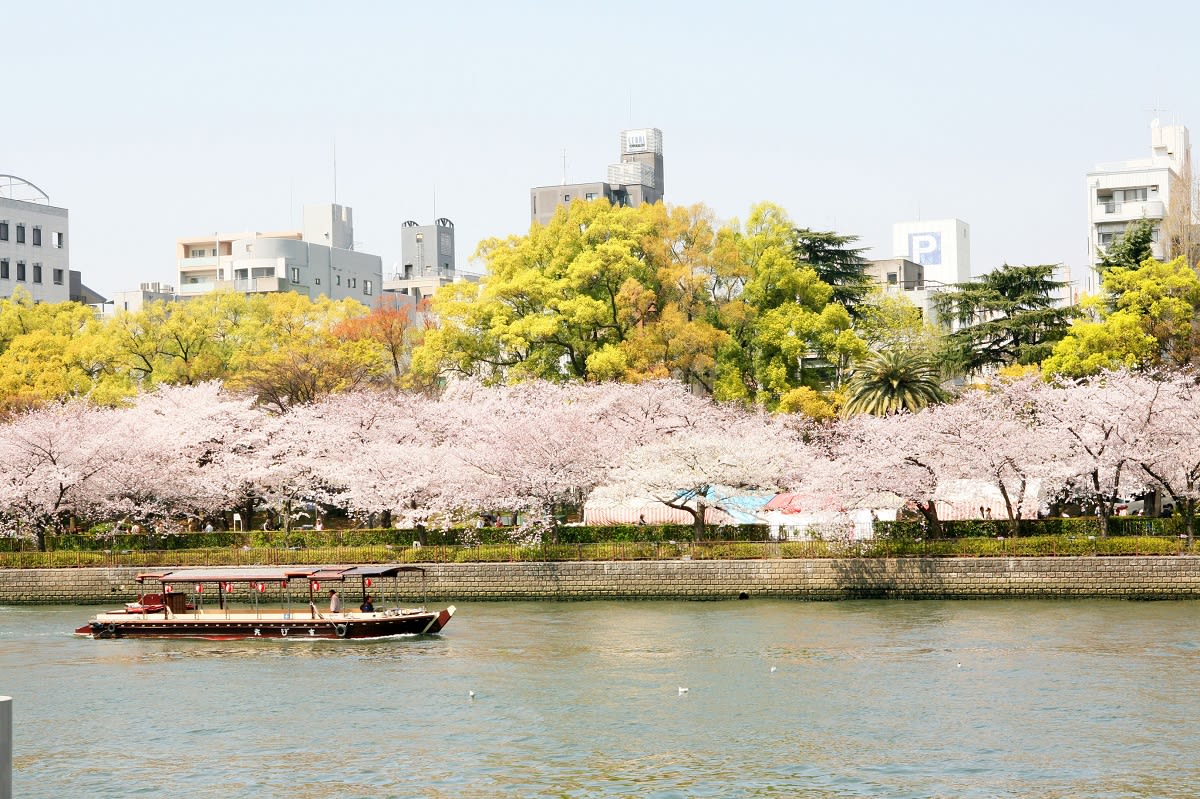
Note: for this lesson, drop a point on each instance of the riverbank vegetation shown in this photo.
(648, 357)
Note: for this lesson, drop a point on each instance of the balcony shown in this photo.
(1150, 209)
(202, 287)
(254, 285)
(197, 263)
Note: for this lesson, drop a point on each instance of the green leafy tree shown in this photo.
(1129, 251)
(836, 262)
(786, 331)
(892, 381)
(1010, 315)
(1151, 322)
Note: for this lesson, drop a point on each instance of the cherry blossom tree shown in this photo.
(706, 465)
(901, 454)
(533, 447)
(393, 455)
(994, 435)
(164, 446)
(52, 460)
(1095, 422)
(1166, 445)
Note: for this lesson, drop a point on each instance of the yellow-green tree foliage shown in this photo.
(613, 293)
(51, 351)
(282, 347)
(1147, 320)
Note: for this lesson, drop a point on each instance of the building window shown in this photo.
(3, 231)
(352, 282)
(317, 281)
(591, 195)
(21, 270)
(37, 273)
(566, 198)
(295, 274)
(367, 287)
(20, 234)
(37, 236)
(58, 239)
(196, 252)
(891, 278)
(4, 269)
(339, 280)
(58, 277)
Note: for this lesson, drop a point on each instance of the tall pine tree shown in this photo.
(1009, 315)
(836, 262)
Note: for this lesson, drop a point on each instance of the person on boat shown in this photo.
(335, 601)
(367, 606)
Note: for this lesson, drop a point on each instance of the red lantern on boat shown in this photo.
(368, 582)
(229, 588)
(199, 588)
(167, 588)
(315, 585)
(262, 587)
(283, 583)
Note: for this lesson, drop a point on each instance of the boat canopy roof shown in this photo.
(277, 574)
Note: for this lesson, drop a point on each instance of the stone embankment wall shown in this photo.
(909, 578)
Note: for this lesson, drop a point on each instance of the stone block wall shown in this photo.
(818, 579)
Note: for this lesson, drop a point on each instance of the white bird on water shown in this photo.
(471, 694)
(682, 690)
(772, 669)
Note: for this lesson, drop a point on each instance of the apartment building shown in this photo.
(34, 245)
(1121, 192)
(638, 178)
(319, 259)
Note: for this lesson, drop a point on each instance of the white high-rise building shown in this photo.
(1121, 192)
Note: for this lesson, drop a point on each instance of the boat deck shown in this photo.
(274, 615)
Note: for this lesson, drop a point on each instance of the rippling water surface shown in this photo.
(871, 698)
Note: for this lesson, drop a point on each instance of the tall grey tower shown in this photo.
(636, 180)
(644, 146)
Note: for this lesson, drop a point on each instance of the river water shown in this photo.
(783, 699)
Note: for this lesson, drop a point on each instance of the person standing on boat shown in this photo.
(367, 606)
(335, 601)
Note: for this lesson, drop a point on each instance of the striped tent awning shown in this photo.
(649, 513)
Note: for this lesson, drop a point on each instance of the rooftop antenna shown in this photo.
(435, 201)
(564, 160)
(1158, 112)
(335, 169)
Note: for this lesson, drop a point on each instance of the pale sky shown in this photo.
(153, 121)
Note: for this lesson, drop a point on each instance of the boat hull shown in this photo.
(228, 627)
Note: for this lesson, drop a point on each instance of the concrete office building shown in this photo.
(319, 259)
(137, 299)
(1121, 192)
(900, 277)
(637, 179)
(34, 245)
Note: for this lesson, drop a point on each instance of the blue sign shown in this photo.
(925, 248)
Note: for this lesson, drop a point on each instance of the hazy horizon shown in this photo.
(151, 123)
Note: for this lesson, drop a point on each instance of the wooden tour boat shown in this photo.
(172, 613)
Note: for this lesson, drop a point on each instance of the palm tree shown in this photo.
(891, 381)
